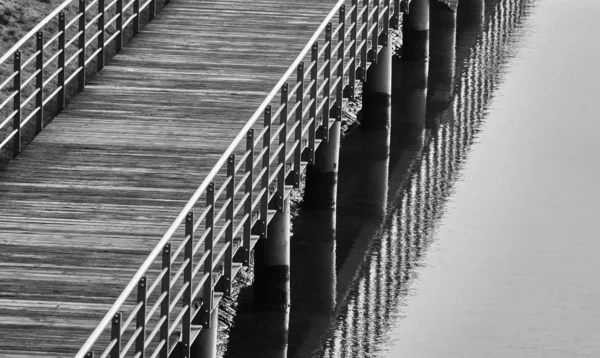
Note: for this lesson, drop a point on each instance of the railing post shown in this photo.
(152, 9)
(365, 36)
(395, 21)
(327, 79)
(264, 205)
(165, 287)
(298, 139)
(82, 12)
(39, 82)
(339, 101)
(386, 22)
(17, 104)
(119, 39)
(375, 34)
(353, 52)
(187, 278)
(283, 144)
(229, 218)
(248, 192)
(115, 333)
(314, 78)
(61, 60)
(136, 13)
(207, 294)
(102, 12)
(140, 319)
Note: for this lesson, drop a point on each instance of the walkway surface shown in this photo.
(88, 199)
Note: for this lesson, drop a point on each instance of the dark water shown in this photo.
(476, 237)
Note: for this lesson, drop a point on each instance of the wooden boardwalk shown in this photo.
(89, 198)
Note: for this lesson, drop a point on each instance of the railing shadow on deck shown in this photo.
(50, 64)
(170, 298)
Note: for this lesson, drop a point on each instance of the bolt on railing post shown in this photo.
(314, 78)
(248, 192)
(90, 354)
(115, 334)
(340, 70)
(298, 135)
(353, 52)
(140, 319)
(17, 104)
(61, 60)
(102, 13)
(365, 36)
(119, 39)
(264, 202)
(229, 218)
(327, 79)
(136, 13)
(165, 287)
(81, 64)
(39, 82)
(283, 151)
(187, 278)
(207, 294)
(375, 34)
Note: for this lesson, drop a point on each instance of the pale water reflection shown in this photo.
(492, 250)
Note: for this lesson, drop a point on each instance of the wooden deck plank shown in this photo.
(83, 205)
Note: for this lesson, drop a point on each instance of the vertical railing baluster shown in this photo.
(61, 60)
(396, 17)
(140, 319)
(115, 334)
(39, 82)
(298, 139)
(365, 37)
(339, 101)
(207, 294)
(386, 22)
(353, 52)
(187, 278)
(264, 205)
(229, 218)
(17, 104)
(81, 64)
(119, 39)
(136, 13)
(283, 143)
(152, 9)
(248, 192)
(314, 78)
(327, 78)
(101, 18)
(165, 287)
(375, 34)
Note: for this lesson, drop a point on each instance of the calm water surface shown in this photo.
(492, 250)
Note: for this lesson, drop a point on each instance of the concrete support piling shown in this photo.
(442, 63)
(272, 262)
(415, 30)
(377, 92)
(321, 178)
(205, 345)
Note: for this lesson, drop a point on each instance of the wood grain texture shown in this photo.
(84, 204)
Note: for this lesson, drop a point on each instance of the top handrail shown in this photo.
(154, 254)
(34, 31)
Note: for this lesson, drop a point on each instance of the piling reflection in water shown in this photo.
(383, 280)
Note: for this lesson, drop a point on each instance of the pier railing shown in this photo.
(54, 57)
(172, 295)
